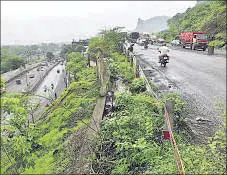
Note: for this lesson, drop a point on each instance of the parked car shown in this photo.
(160, 40)
(58, 71)
(18, 81)
(32, 76)
(175, 43)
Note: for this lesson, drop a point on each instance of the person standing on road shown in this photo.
(163, 51)
(52, 86)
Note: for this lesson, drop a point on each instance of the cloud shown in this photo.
(28, 21)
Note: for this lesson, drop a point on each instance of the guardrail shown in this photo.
(41, 79)
(20, 74)
(177, 156)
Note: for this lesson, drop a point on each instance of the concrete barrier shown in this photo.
(18, 75)
(41, 79)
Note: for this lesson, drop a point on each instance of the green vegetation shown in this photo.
(10, 62)
(3, 82)
(138, 85)
(14, 56)
(120, 68)
(110, 42)
(131, 141)
(209, 16)
(131, 138)
(42, 147)
(49, 56)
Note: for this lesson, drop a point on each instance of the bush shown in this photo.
(138, 85)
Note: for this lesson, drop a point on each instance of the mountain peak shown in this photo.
(152, 25)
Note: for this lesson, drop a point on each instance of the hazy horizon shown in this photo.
(33, 22)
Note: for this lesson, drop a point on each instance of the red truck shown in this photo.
(195, 40)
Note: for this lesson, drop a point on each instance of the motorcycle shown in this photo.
(164, 60)
(145, 45)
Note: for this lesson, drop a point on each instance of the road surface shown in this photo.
(199, 78)
(26, 81)
(58, 80)
(11, 74)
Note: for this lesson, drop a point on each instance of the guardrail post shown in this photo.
(170, 108)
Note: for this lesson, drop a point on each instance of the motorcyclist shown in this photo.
(146, 42)
(163, 51)
(52, 86)
(131, 48)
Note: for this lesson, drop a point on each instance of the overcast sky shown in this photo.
(27, 22)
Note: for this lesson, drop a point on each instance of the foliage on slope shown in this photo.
(41, 148)
(209, 16)
(111, 41)
(130, 140)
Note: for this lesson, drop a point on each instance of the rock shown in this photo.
(200, 119)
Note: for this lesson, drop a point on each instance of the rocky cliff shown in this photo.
(152, 25)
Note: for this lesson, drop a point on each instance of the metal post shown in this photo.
(88, 59)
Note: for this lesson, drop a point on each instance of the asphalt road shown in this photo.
(11, 74)
(26, 81)
(58, 80)
(198, 77)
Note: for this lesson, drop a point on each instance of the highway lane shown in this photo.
(199, 78)
(11, 74)
(26, 81)
(58, 80)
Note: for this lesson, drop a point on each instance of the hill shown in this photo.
(152, 25)
(209, 16)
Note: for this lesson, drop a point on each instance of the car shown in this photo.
(175, 43)
(160, 41)
(42, 69)
(58, 71)
(43, 64)
(18, 81)
(32, 76)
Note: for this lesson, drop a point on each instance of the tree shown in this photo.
(21, 141)
(80, 48)
(9, 61)
(66, 49)
(49, 56)
(76, 62)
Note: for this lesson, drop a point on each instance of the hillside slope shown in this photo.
(209, 16)
(152, 25)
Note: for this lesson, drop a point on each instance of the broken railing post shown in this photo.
(170, 108)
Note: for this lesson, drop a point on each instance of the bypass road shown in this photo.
(28, 82)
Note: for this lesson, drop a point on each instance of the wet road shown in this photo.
(199, 78)
(26, 81)
(58, 80)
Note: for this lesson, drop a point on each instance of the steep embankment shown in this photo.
(47, 146)
(208, 16)
(152, 25)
